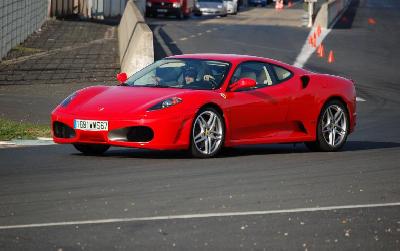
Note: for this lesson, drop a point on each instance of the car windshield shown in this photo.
(181, 73)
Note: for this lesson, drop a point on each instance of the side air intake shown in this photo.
(304, 81)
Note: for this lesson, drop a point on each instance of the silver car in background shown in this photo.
(210, 8)
(231, 6)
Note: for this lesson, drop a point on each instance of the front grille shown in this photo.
(140, 134)
(61, 130)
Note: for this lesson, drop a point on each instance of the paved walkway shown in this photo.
(63, 52)
(60, 58)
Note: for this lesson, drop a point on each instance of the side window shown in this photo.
(254, 70)
(281, 73)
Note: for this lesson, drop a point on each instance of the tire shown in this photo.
(91, 149)
(208, 133)
(236, 11)
(331, 136)
(180, 15)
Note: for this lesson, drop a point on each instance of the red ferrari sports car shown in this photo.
(203, 102)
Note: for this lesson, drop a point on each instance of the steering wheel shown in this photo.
(211, 80)
(157, 80)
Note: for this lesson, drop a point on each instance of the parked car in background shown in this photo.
(232, 6)
(210, 7)
(179, 8)
(263, 3)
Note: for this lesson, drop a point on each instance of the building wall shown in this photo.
(19, 19)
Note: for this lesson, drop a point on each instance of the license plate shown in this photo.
(162, 10)
(91, 125)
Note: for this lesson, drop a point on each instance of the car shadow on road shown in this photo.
(268, 149)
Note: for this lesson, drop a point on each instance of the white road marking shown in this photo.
(359, 99)
(183, 39)
(196, 216)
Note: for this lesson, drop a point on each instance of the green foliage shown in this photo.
(20, 130)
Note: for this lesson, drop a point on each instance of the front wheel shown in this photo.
(208, 132)
(181, 15)
(91, 149)
(333, 128)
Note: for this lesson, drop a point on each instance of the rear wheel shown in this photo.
(208, 132)
(91, 149)
(333, 128)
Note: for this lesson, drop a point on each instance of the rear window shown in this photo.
(281, 73)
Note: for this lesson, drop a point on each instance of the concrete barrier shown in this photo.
(135, 40)
(329, 12)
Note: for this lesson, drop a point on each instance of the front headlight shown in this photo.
(219, 6)
(68, 100)
(176, 5)
(166, 103)
(148, 4)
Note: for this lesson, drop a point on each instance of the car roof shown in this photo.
(233, 58)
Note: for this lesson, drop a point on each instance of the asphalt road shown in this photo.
(50, 184)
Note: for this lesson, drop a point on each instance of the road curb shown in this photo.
(41, 141)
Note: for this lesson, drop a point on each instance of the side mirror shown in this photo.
(243, 83)
(122, 77)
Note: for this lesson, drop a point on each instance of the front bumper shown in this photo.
(210, 12)
(171, 132)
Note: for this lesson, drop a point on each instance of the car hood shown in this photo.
(120, 100)
(209, 5)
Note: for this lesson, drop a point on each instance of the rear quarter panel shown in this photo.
(308, 102)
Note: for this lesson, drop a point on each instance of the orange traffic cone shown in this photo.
(371, 21)
(279, 4)
(319, 30)
(314, 42)
(321, 52)
(310, 40)
(331, 58)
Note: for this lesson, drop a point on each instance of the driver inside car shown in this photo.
(190, 75)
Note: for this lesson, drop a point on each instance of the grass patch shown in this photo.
(21, 130)
(20, 48)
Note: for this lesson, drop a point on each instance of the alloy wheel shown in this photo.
(207, 132)
(334, 125)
